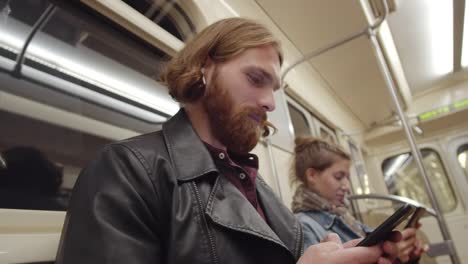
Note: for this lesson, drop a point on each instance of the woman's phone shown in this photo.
(420, 211)
(382, 232)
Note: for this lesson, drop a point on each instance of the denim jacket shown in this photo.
(317, 224)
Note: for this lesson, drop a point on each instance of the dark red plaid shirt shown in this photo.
(241, 171)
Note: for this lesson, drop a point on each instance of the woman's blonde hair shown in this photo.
(219, 42)
(311, 152)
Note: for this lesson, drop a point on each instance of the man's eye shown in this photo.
(255, 80)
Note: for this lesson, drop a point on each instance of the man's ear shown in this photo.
(208, 68)
(208, 62)
(311, 175)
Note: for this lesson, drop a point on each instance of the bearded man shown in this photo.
(190, 193)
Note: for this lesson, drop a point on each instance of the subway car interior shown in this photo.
(385, 79)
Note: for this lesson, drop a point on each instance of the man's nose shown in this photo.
(267, 101)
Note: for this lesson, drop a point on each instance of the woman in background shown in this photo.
(321, 170)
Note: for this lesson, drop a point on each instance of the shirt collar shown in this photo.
(233, 159)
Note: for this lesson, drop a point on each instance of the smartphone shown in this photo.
(383, 231)
(413, 221)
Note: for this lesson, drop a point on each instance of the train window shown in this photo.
(323, 131)
(87, 30)
(167, 14)
(462, 155)
(327, 134)
(402, 178)
(85, 82)
(87, 50)
(306, 124)
(41, 161)
(299, 121)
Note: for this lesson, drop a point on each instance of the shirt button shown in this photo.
(221, 155)
(242, 176)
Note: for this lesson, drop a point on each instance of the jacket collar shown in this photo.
(324, 218)
(332, 222)
(187, 152)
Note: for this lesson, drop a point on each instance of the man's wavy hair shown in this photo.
(220, 42)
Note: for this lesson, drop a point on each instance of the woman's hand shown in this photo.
(410, 247)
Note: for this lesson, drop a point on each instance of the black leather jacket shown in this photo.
(158, 198)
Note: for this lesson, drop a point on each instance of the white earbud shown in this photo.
(203, 79)
(203, 76)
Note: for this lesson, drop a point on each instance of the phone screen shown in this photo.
(413, 221)
(382, 232)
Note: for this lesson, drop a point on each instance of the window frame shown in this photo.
(448, 173)
(314, 123)
(457, 173)
(319, 125)
(305, 114)
(465, 146)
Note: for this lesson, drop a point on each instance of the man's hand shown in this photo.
(332, 251)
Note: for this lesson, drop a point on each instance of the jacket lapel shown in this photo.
(229, 208)
(281, 219)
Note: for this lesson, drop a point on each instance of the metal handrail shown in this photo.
(391, 87)
(37, 26)
(335, 44)
(393, 198)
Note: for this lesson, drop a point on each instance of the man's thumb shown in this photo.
(332, 237)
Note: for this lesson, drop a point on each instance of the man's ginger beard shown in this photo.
(235, 128)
